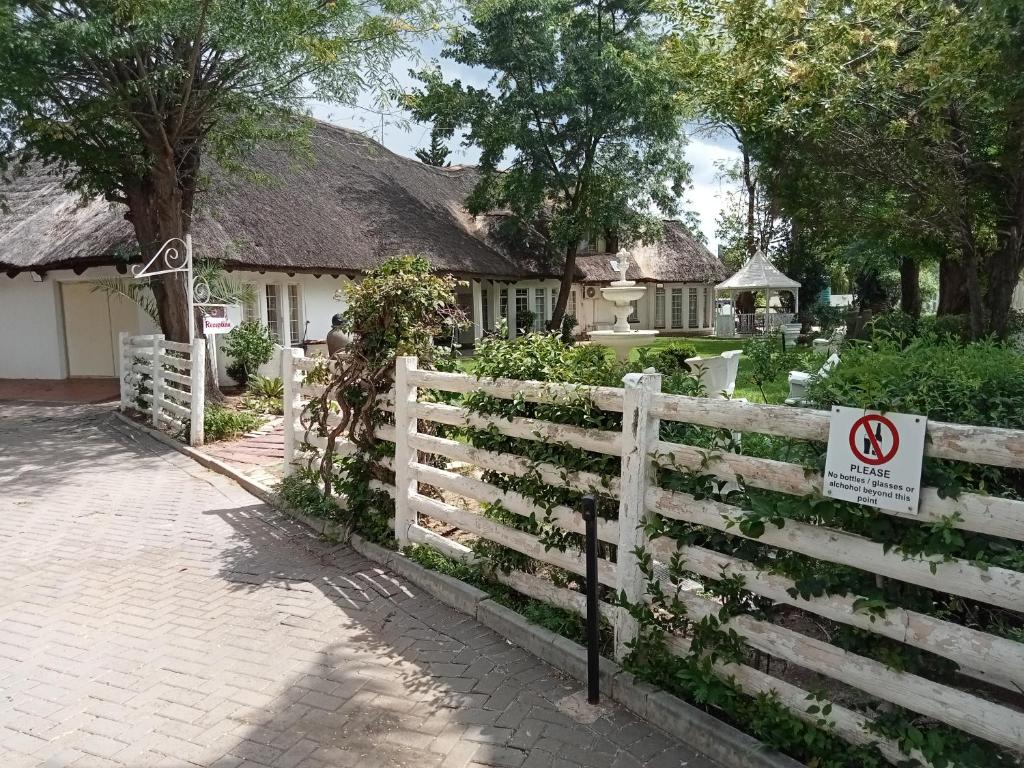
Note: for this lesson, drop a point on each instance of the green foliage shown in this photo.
(968, 384)
(667, 358)
(569, 322)
(397, 309)
(568, 624)
(211, 77)
(250, 345)
(579, 127)
(265, 395)
(299, 493)
(437, 153)
(224, 423)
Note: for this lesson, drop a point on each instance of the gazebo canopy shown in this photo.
(758, 274)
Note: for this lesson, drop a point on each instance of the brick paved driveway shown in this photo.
(154, 614)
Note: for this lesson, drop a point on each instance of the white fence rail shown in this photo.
(991, 714)
(165, 380)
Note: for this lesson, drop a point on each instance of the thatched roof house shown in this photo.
(350, 205)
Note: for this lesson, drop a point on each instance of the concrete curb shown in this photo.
(714, 738)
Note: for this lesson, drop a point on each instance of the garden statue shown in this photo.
(337, 339)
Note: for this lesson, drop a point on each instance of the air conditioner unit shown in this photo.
(591, 292)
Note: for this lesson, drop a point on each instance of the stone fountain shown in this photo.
(621, 293)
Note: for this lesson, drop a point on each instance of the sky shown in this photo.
(390, 125)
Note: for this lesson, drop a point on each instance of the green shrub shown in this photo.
(265, 395)
(568, 324)
(250, 345)
(223, 423)
(945, 328)
(979, 383)
(668, 358)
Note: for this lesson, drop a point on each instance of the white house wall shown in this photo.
(33, 343)
(31, 329)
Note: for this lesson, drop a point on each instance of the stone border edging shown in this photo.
(704, 732)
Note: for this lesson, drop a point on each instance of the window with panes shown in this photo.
(692, 313)
(659, 307)
(540, 304)
(273, 312)
(251, 307)
(677, 307)
(294, 315)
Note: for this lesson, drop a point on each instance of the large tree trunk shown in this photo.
(910, 287)
(160, 209)
(953, 299)
(1003, 272)
(568, 274)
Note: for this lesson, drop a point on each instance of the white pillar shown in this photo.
(512, 310)
(405, 427)
(124, 367)
(156, 405)
(639, 441)
(292, 405)
(494, 303)
(197, 385)
(284, 308)
(478, 311)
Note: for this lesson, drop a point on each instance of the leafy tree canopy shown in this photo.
(578, 128)
(905, 116)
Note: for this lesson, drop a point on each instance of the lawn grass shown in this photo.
(775, 391)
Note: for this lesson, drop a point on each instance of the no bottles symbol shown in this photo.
(874, 439)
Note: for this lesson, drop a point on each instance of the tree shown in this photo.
(437, 153)
(749, 219)
(579, 128)
(916, 104)
(126, 97)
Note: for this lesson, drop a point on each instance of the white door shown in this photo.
(92, 322)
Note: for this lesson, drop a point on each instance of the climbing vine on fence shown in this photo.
(396, 309)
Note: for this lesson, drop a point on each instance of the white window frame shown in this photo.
(295, 327)
(659, 307)
(692, 315)
(677, 307)
(272, 305)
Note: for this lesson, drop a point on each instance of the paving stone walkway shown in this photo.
(154, 614)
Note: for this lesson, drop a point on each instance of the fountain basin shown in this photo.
(622, 341)
(620, 294)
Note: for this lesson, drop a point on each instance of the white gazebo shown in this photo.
(758, 275)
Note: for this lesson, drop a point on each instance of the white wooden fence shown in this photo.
(996, 660)
(165, 380)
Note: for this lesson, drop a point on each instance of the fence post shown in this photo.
(639, 440)
(198, 387)
(292, 405)
(158, 380)
(124, 366)
(405, 427)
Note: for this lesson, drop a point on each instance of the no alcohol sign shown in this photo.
(875, 458)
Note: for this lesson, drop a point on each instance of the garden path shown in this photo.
(155, 614)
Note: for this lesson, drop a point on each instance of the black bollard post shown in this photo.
(593, 612)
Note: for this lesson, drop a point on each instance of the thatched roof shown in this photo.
(46, 227)
(677, 258)
(345, 209)
(355, 204)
